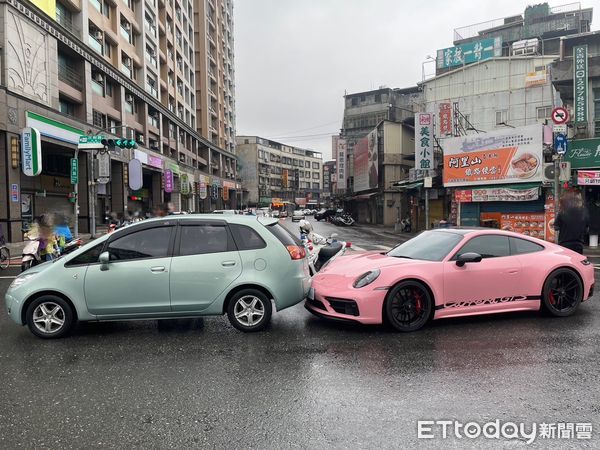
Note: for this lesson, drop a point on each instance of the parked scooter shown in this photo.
(320, 249)
(31, 253)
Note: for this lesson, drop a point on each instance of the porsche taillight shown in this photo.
(296, 252)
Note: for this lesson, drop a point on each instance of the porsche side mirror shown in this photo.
(468, 258)
(103, 260)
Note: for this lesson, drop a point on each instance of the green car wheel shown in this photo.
(249, 310)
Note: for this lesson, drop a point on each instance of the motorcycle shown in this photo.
(31, 254)
(322, 250)
(71, 246)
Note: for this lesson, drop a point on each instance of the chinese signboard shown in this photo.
(529, 224)
(584, 153)
(549, 218)
(31, 152)
(74, 171)
(185, 184)
(504, 156)
(168, 180)
(469, 53)
(361, 165)
(445, 119)
(340, 147)
(136, 178)
(580, 83)
(496, 195)
(284, 178)
(424, 141)
(537, 78)
(588, 177)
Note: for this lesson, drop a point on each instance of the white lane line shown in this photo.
(357, 248)
(383, 247)
(8, 277)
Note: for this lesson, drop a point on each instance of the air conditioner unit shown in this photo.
(548, 173)
(129, 98)
(140, 139)
(98, 35)
(98, 77)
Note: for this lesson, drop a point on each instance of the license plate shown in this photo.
(311, 294)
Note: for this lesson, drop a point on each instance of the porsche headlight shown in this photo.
(366, 278)
(21, 280)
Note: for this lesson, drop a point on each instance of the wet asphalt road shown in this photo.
(303, 383)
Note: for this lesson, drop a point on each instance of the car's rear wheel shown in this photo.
(408, 306)
(249, 310)
(49, 317)
(562, 293)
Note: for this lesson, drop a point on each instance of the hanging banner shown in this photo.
(445, 119)
(424, 141)
(136, 179)
(504, 156)
(549, 215)
(202, 190)
(31, 152)
(185, 184)
(497, 195)
(340, 147)
(588, 177)
(168, 180)
(580, 84)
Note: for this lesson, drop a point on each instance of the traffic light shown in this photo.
(121, 143)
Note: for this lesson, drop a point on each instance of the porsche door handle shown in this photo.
(157, 269)
(228, 263)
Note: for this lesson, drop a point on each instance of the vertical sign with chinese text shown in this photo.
(445, 119)
(424, 142)
(168, 180)
(580, 83)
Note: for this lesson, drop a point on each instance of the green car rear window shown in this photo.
(284, 236)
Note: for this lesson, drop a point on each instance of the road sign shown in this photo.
(560, 128)
(565, 171)
(561, 144)
(103, 165)
(90, 142)
(74, 171)
(560, 115)
(14, 193)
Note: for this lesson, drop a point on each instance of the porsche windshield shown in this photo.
(428, 246)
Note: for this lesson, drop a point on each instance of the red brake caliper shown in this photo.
(418, 302)
(552, 301)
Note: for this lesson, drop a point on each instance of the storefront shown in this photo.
(498, 180)
(584, 156)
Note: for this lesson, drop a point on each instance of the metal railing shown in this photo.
(70, 75)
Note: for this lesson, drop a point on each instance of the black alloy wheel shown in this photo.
(408, 306)
(563, 292)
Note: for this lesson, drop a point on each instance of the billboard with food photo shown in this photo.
(511, 155)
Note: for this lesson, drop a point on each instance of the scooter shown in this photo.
(321, 250)
(31, 254)
(71, 246)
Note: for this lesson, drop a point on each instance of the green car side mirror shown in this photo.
(104, 260)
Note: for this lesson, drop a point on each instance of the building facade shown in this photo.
(272, 170)
(121, 69)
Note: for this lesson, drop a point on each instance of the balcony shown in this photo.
(67, 23)
(126, 70)
(94, 44)
(70, 75)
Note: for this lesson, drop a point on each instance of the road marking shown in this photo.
(8, 277)
(383, 247)
(357, 248)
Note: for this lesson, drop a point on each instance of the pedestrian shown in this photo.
(572, 222)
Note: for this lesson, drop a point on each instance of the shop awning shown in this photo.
(365, 196)
(407, 185)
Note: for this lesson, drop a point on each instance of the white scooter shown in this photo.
(31, 254)
(321, 250)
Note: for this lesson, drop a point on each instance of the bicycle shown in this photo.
(4, 254)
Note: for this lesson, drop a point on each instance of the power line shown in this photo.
(311, 128)
(305, 135)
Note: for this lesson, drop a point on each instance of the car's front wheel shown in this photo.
(249, 310)
(49, 317)
(408, 306)
(562, 293)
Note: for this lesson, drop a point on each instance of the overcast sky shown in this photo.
(295, 59)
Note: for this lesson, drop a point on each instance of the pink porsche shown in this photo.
(451, 273)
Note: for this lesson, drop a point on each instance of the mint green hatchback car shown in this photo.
(173, 267)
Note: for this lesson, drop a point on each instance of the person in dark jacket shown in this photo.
(572, 222)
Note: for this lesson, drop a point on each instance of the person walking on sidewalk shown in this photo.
(572, 222)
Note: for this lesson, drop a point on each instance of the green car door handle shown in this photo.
(228, 263)
(157, 269)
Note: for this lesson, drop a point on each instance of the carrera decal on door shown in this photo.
(487, 301)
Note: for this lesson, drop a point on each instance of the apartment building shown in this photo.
(121, 69)
(215, 73)
(272, 170)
